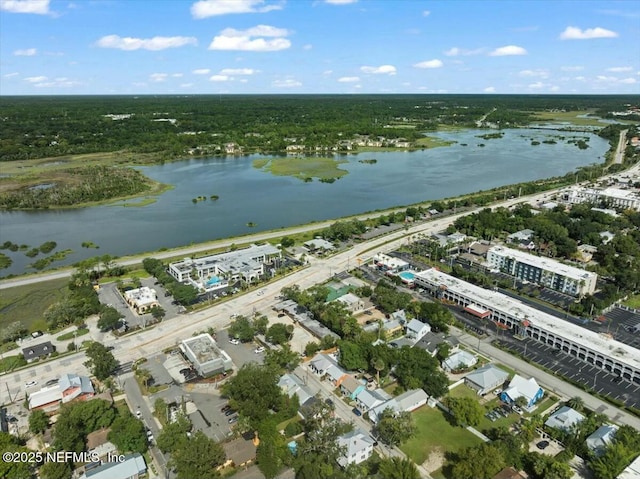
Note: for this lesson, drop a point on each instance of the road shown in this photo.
(618, 158)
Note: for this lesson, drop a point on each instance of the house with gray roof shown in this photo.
(521, 387)
(564, 419)
(459, 360)
(321, 363)
(601, 438)
(485, 379)
(133, 467)
(358, 447)
(417, 329)
(351, 387)
(369, 399)
(37, 351)
(70, 387)
(405, 402)
(292, 384)
(352, 302)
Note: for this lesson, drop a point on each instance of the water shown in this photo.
(250, 195)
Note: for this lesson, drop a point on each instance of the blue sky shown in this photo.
(318, 46)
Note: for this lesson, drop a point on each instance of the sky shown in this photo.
(78, 47)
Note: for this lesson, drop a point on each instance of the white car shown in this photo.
(259, 350)
(234, 341)
(138, 414)
(30, 384)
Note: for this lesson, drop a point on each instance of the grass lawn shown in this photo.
(633, 301)
(434, 431)
(302, 168)
(433, 142)
(28, 303)
(463, 391)
(72, 334)
(569, 116)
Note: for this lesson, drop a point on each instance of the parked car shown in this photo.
(233, 419)
(225, 408)
(259, 349)
(51, 382)
(30, 384)
(234, 341)
(356, 411)
(138, 414)
(542, 445)
(229, 412)
(36, 334)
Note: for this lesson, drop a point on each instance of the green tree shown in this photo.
(615, 458)
(398, 468)
(199, 456)
(287, 242)
(174, 435)
(416, 368)
(158, 312)
(352, 356)
(484, 460)
(281, 360)
(101, 361)
(14, 469)
(242, 329)
(279, 333)
(109, 318)
(272, 453)
(394, 428)
(311, 348)
(260, 324)
(38, 421)
(465, 411)
(55, 470)
(128, 434)
(576, 403)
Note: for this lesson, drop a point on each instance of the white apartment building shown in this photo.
(543, 271)
(600, 350)
(613, 197)
(247, 264)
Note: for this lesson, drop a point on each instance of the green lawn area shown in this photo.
(633, 301)
(433, 142)
(28, 303)
(434, 431)
(302, 168)
(72, 334)
(569, 116)
(485, 423)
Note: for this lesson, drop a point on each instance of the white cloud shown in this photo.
(339, 2)
(554, 88)
(232, 39)
(158, 77)
(177, 75)
(575, 33)
(382, 69)
(186, 85)
(429, 64)
(27, 52)
(628, 81)
(570, 68)
(11, 75)
(36, 79)
(327, 72)
(508, 50)
(308, 46)
(212, 8)
(604, 78)
(534, 73)
(620, 69)
(426, 13)
(455, 51)
(220, 78)
(39, 7)
(153, 44)
(537, 85)
(288, 83)
(201, 71)
(58, 83)
(349, 79)
(489, 89)
(238, 71)
(580, 78)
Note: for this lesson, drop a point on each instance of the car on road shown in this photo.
(329, 402)
(542, 445)
(138, 414)
(30, 384)
(234, 341)
(51, 382)
(259, 349)
(356, 411)
(37, 334)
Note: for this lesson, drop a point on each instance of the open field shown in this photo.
(573, 117)
(434, 431)
(633, 301)
(28, 303)
(433, 142)
(303, 168)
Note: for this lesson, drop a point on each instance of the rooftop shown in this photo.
(203, 347)
(142, 296)
(543, 263)
(239, 260)
(500, 302)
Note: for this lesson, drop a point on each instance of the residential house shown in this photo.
(564, 419)
(37, 351)
(417, 329)
(521, 387)
(601, 438)
(336, 375)
(351, 387)
(431, 341)
(392, 328)
(458, 361)
(321, 363)
(485, 379)
(352, 302)
(132, 467)
(98, 443)
(239, 452)
(523, 239)
(292, 384)
(367, 400)
(358, 447)
(70, 387)
(405, 402)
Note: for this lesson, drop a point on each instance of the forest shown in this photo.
(173, 127)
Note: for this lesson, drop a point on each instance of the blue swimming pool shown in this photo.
(213, 280)
(407, 275)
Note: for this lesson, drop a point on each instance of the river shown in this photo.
(247, 194)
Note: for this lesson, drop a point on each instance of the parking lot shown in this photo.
(581, 372)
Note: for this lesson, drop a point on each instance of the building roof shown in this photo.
(496, 301)
(373, 398)
(335, 373)
(459, 358)
(511, 473)
(240, 451)
(601, 438)
(399, 315)
(133, 464)
(319, 243)
(416, 326)
(520, 386)
(522, 235)
(45, 396)
(354, 442)
(142, 296)
(38, 350)
(349, 299)
(292, 384)
(97, 438)
(204, 348)
(408, 399)
(487, 376)
(564, 418)
(546, 264)
(51, 394)
(68, 381)
(351, 384)
(479, 248)
(632, 471)
(233, 261)
(322, 362)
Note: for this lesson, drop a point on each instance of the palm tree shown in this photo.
(398, 468)
(144, 376)
(378, 365)
(576, 403)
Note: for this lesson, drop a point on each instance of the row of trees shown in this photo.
(184, 294)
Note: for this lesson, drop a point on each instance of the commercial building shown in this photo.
(600, 350)
(390, 264)
(611, 197)
(70, 387)
(142, 299)
(543, 271)
(247, 264)
(133, 467)
(203, 352)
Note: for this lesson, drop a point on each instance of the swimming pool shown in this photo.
(213, 280)
(407, 275)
